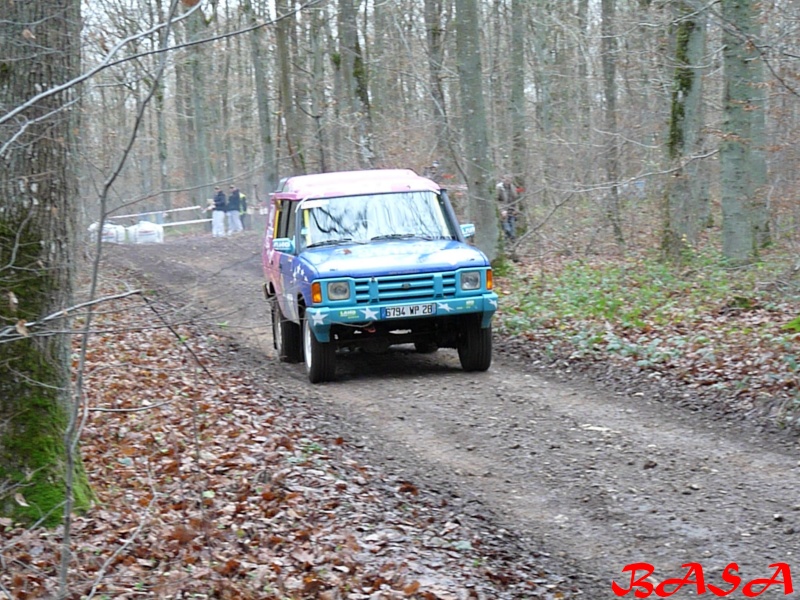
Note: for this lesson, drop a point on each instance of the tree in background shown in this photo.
(578, 98)
(259, 83)
(435, 39)
(354, 73)
(686, 200)
(40, 472)
(743, 171)
(289, 94)
(612, 152)
(478, 168)
(516, 103)
(208, 164)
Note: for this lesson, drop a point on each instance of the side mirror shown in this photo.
(283, 245)
(468, 230)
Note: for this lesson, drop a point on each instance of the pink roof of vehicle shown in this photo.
(352, 183)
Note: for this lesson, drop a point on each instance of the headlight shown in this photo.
(338, 290)
(471, 280)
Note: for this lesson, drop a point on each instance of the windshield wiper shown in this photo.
(330, 243)
(394, 236)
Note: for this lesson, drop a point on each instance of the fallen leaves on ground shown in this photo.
(212, 483)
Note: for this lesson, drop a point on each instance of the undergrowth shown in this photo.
(726, 329)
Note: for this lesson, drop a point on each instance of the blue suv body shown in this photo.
(370, 259)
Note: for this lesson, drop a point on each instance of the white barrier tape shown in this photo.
(154, 212)
(186, 222)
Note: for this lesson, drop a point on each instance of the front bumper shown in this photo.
(322, 318)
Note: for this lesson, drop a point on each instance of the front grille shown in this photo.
(415, 287)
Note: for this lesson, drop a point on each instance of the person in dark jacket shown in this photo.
(218, 214)
(232, 210)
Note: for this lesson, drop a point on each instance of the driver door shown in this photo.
(284, 264)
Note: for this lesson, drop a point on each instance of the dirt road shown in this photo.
(594, 479)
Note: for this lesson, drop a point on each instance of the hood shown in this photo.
(394, 257)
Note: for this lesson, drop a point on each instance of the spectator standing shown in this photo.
(507, 198)
(218, 214)
(232, 210)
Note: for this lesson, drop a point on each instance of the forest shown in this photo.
(626, 119)
(651, 144)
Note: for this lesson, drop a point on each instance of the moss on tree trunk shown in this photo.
(38, 191)
(35, 399)
(33, 463)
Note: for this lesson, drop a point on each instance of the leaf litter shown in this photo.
(211, 482)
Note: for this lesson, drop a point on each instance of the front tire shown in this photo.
(320, 357)
(475, 348)
(286, 336)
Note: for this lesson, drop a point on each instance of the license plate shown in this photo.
(409, 310)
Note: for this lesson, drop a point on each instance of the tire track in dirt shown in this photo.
(595, 480)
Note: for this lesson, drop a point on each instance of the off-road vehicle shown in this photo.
(370, 259)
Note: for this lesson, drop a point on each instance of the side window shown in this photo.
(291, 214)
(282, 218)
(276, 219)
(284, 226)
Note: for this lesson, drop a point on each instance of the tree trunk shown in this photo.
(544, 50)
(478, 167)
(739, 241)
(39, 51)
(434, 30)
(294, 143)
(354, 77)
(609, 59)
(262, 100)
(192, 173)
(222, 111)
(161, 119)
(196, 26)
(686, 189)
(758, 141)
(584, 103)
(318, 87)
(383, 113)
(519, 150)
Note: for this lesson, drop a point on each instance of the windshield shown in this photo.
(362, 219)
